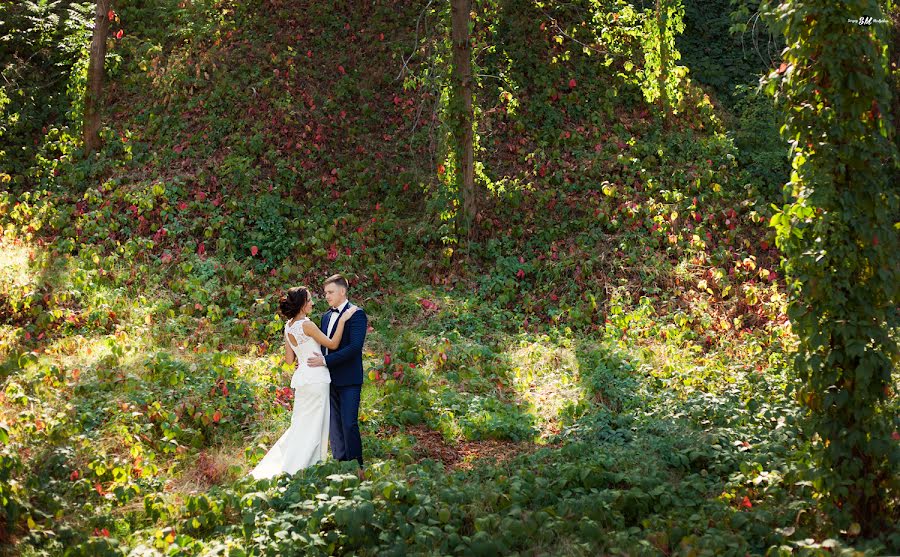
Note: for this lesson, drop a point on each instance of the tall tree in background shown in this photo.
(94, 93)
(661, 19)
(662, 76)
(841, 248)
(462, 112)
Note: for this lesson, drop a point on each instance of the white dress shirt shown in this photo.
(332, 322)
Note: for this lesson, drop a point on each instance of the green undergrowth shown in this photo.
(620, 320)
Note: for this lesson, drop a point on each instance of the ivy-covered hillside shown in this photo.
(600, 361)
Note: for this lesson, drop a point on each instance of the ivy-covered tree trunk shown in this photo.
(94, 92)
(894, 54)
(661, 13)
(462, 112)
(841, 247)
(661, 74)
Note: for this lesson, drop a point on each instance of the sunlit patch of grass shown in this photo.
(16, 279)
(546, 376)
(14, 263)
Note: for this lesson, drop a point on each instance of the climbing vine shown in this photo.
(840, 243)
(662, 75)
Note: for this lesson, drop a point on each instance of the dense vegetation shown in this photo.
(606, 369)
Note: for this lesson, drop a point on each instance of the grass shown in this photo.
(606, 372)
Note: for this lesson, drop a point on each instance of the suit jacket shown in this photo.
(345, 362)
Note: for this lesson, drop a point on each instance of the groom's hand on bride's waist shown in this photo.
(315, 361)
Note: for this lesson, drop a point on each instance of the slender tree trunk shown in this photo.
(463, 111)
(94, 93)
(663, 61)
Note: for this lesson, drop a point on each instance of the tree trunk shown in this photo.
(94, 93)
(463, 111)
(663, 60)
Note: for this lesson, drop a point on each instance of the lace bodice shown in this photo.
(305, 347)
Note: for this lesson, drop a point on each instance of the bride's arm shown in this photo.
(331, 343)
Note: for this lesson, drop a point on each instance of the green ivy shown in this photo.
(841, 246)
(660, 54)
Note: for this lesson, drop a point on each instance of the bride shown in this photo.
(306, 440)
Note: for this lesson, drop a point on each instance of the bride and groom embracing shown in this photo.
(327, 381)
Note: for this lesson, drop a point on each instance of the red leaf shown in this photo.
(895, 436)
(520, 274)
(201, 249)
(572, 84)
(387, 359)
(441, 169)
(341, 70)
(74, 475)
(254, 250)
(746, 503)
(217, 416)
(782, 68)
(120, 34)
(111, 15)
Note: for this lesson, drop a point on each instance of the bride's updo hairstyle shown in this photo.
(292, 302)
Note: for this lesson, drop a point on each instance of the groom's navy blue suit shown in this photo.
(345, 366)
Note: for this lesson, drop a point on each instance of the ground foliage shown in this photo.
(608, 371)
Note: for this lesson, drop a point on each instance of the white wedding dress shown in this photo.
(306, 440)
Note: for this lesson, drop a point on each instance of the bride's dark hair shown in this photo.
(292, 302)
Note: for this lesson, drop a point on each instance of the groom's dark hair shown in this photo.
(338, 280)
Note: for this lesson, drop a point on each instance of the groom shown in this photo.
(345, 365)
